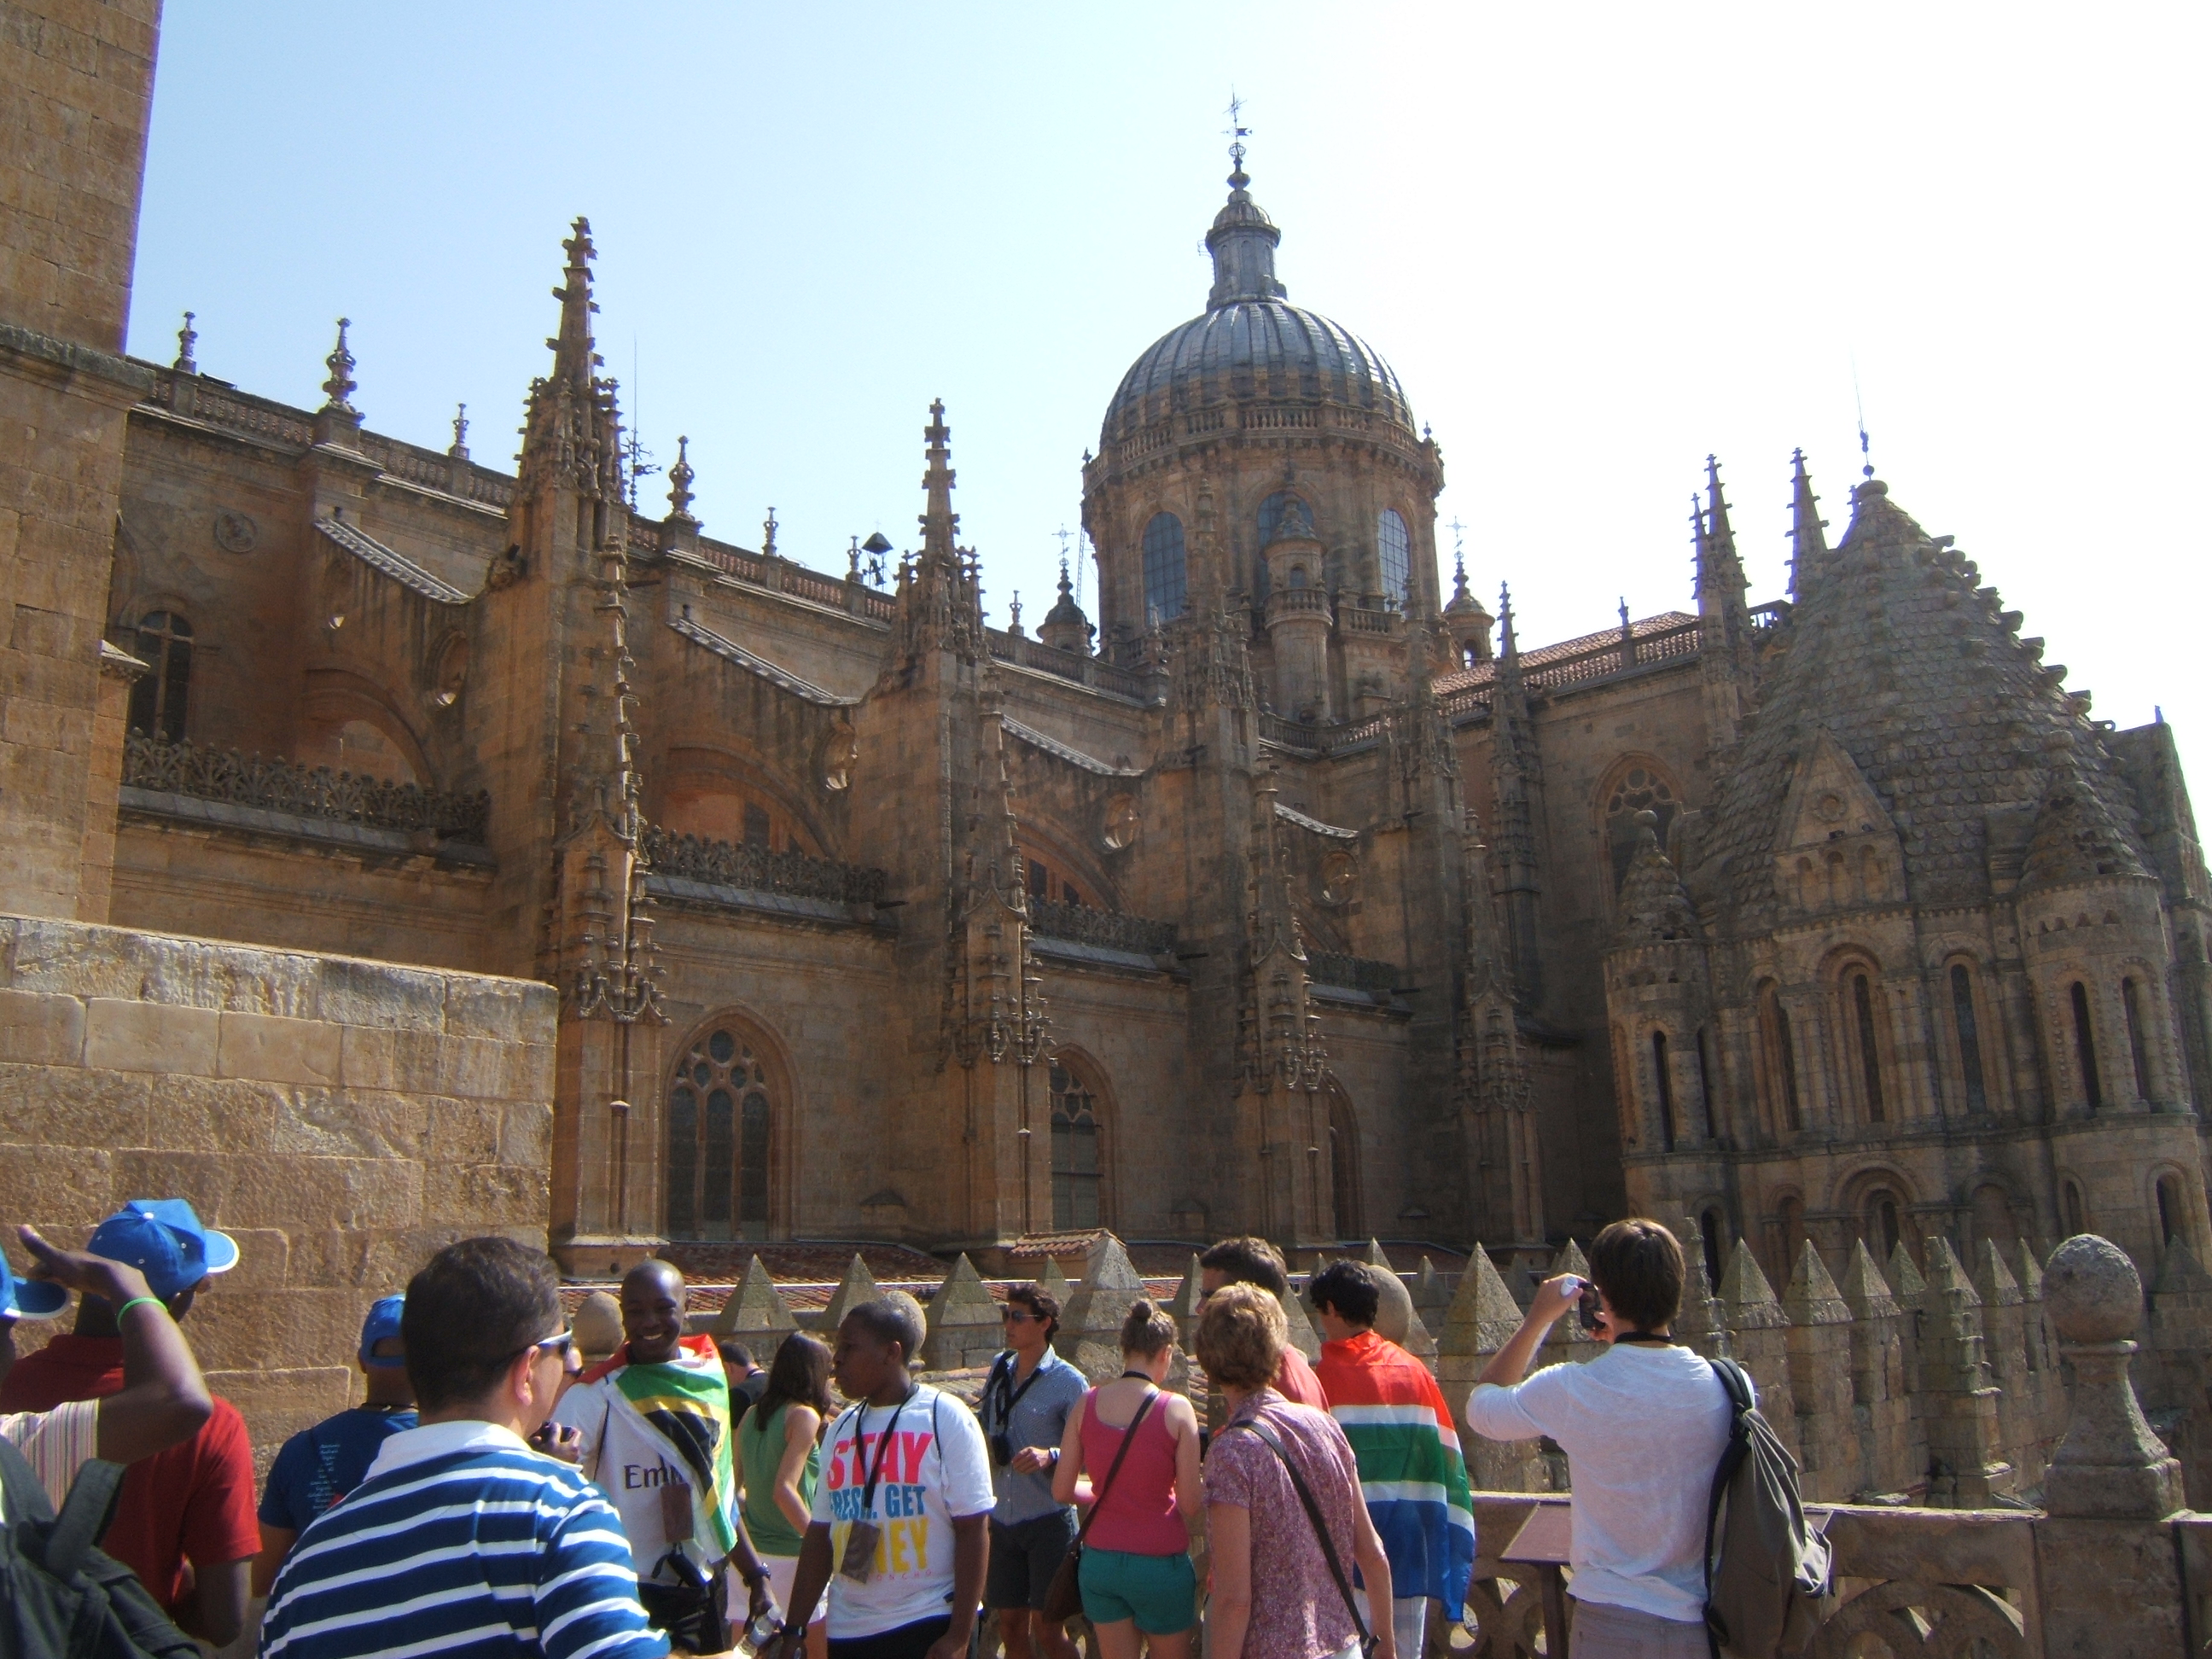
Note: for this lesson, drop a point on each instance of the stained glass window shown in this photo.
(720, 1127)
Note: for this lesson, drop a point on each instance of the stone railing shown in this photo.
(1352, 973)
(760, 870)
(1354, 620)
(1315, 738)
(313, 792)
(1283, 601)
(1111, 930)
(1094, 671)
(781, 575)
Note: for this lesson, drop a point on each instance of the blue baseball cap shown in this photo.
(29, 1298)
(164, 1240)
(383, 1321)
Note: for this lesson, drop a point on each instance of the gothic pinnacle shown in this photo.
(940, 523)
(679, 481)
(187, 338)
(459, 451)
(341, 386)
(1808, 545)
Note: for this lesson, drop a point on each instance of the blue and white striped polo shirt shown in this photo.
(461, 1540)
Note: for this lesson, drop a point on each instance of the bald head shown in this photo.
(652, 1297)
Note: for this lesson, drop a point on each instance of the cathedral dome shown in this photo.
(1249, 344)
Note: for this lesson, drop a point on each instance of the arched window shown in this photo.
(1167, 582)
(1710, 1235)
(1395, 550)
(1344, 1168)
(1790, 1219)
(719, 1129)
(1641, 789)
(2077, 1212)
(1272, 513)
(1666, 1089)
(2085, 1046)
(2131, 1004)
(1780, 1056)
(1968, 1029)
(157, 700)
(2172, 1212)
(1076, 1166)
(1861, 1015)
(1883, 1226)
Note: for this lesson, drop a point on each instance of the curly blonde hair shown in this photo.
(1242, 1334)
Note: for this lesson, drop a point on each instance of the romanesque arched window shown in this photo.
(1966, 1028)
(1861, 1027)
(158, 698)
(2077, 1211)
(1077, 1168)
(1394, 551)
(719, 1144)
(2085, 1046)
(1641, 787)
(1167, 582)
(1883, 1224)
(1344, 1167)
(2173, 1210)
(2131, 1004)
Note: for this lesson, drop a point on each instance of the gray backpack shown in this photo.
(1766, 1569)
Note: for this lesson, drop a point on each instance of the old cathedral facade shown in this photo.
(1281, 897)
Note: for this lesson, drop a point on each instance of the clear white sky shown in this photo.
(1595, 241)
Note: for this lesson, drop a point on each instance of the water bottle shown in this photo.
(761, 1631)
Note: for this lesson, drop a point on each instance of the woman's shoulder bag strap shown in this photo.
(1320, 1528)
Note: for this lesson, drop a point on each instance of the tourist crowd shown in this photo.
(492, 1495)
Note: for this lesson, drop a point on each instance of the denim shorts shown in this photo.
(1160, 1592)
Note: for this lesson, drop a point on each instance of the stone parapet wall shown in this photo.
(342, 1119)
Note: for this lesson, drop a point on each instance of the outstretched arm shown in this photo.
(164, 1399)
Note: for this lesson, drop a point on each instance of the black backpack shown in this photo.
(1766, 1569)
(64, 1599)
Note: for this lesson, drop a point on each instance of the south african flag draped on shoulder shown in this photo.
(1410, 1470)
(686, 1401)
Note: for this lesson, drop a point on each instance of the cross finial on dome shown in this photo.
(1236, 132)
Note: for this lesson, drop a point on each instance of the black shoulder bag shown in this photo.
(1321, 1529)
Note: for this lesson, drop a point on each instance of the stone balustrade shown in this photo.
(312, 792)
(749, 868)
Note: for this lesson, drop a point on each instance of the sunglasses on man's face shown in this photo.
(563, 1343)
(1016, 1317)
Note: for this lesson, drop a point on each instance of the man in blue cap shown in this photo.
(319, 1466)
(184, 1522)
(162, 1400)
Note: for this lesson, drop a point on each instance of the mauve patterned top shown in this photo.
(1296, 1610)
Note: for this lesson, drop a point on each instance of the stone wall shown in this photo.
(340, 1119)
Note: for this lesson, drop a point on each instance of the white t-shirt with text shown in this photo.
(1643, 1427)
(936, 1470)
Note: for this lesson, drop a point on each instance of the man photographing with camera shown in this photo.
(1643, 1426)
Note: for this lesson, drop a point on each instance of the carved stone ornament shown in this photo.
(841, 750)
(235, 532)
(1339, 879)
(450, 675)
(1123, 823)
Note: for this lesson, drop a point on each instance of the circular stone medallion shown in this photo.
(235, 532)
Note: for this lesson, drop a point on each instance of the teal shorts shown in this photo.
(1160, 1592)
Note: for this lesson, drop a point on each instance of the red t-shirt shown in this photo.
(1296, 1382)
(193, 1502)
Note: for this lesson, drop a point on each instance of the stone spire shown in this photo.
(1242, 243)
(1724, 620)
(1809, 545)
(339, 390)
(1515, 778)
(679, 482)
(940, 604)
(571, 438)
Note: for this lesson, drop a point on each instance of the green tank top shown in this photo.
(760, 1445)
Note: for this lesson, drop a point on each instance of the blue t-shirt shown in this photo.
(319, 1466)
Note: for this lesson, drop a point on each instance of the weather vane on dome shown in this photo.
(1236, 132)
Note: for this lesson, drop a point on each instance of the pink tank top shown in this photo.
(1138, 1515)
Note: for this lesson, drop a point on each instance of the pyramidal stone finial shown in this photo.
(1054, 1283)
(1483, 1315)
(1746, 1294)
(1865, 1292)
(858, 1286)
(1091, 1327)
(1904, 1279)
(964, 1324)
(1570, 1260)
(755, 1310)
(1993, 1281)
(1812, 1298)
(339, 390)
(1947, 1275)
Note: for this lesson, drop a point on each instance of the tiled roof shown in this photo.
(1922, 681)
